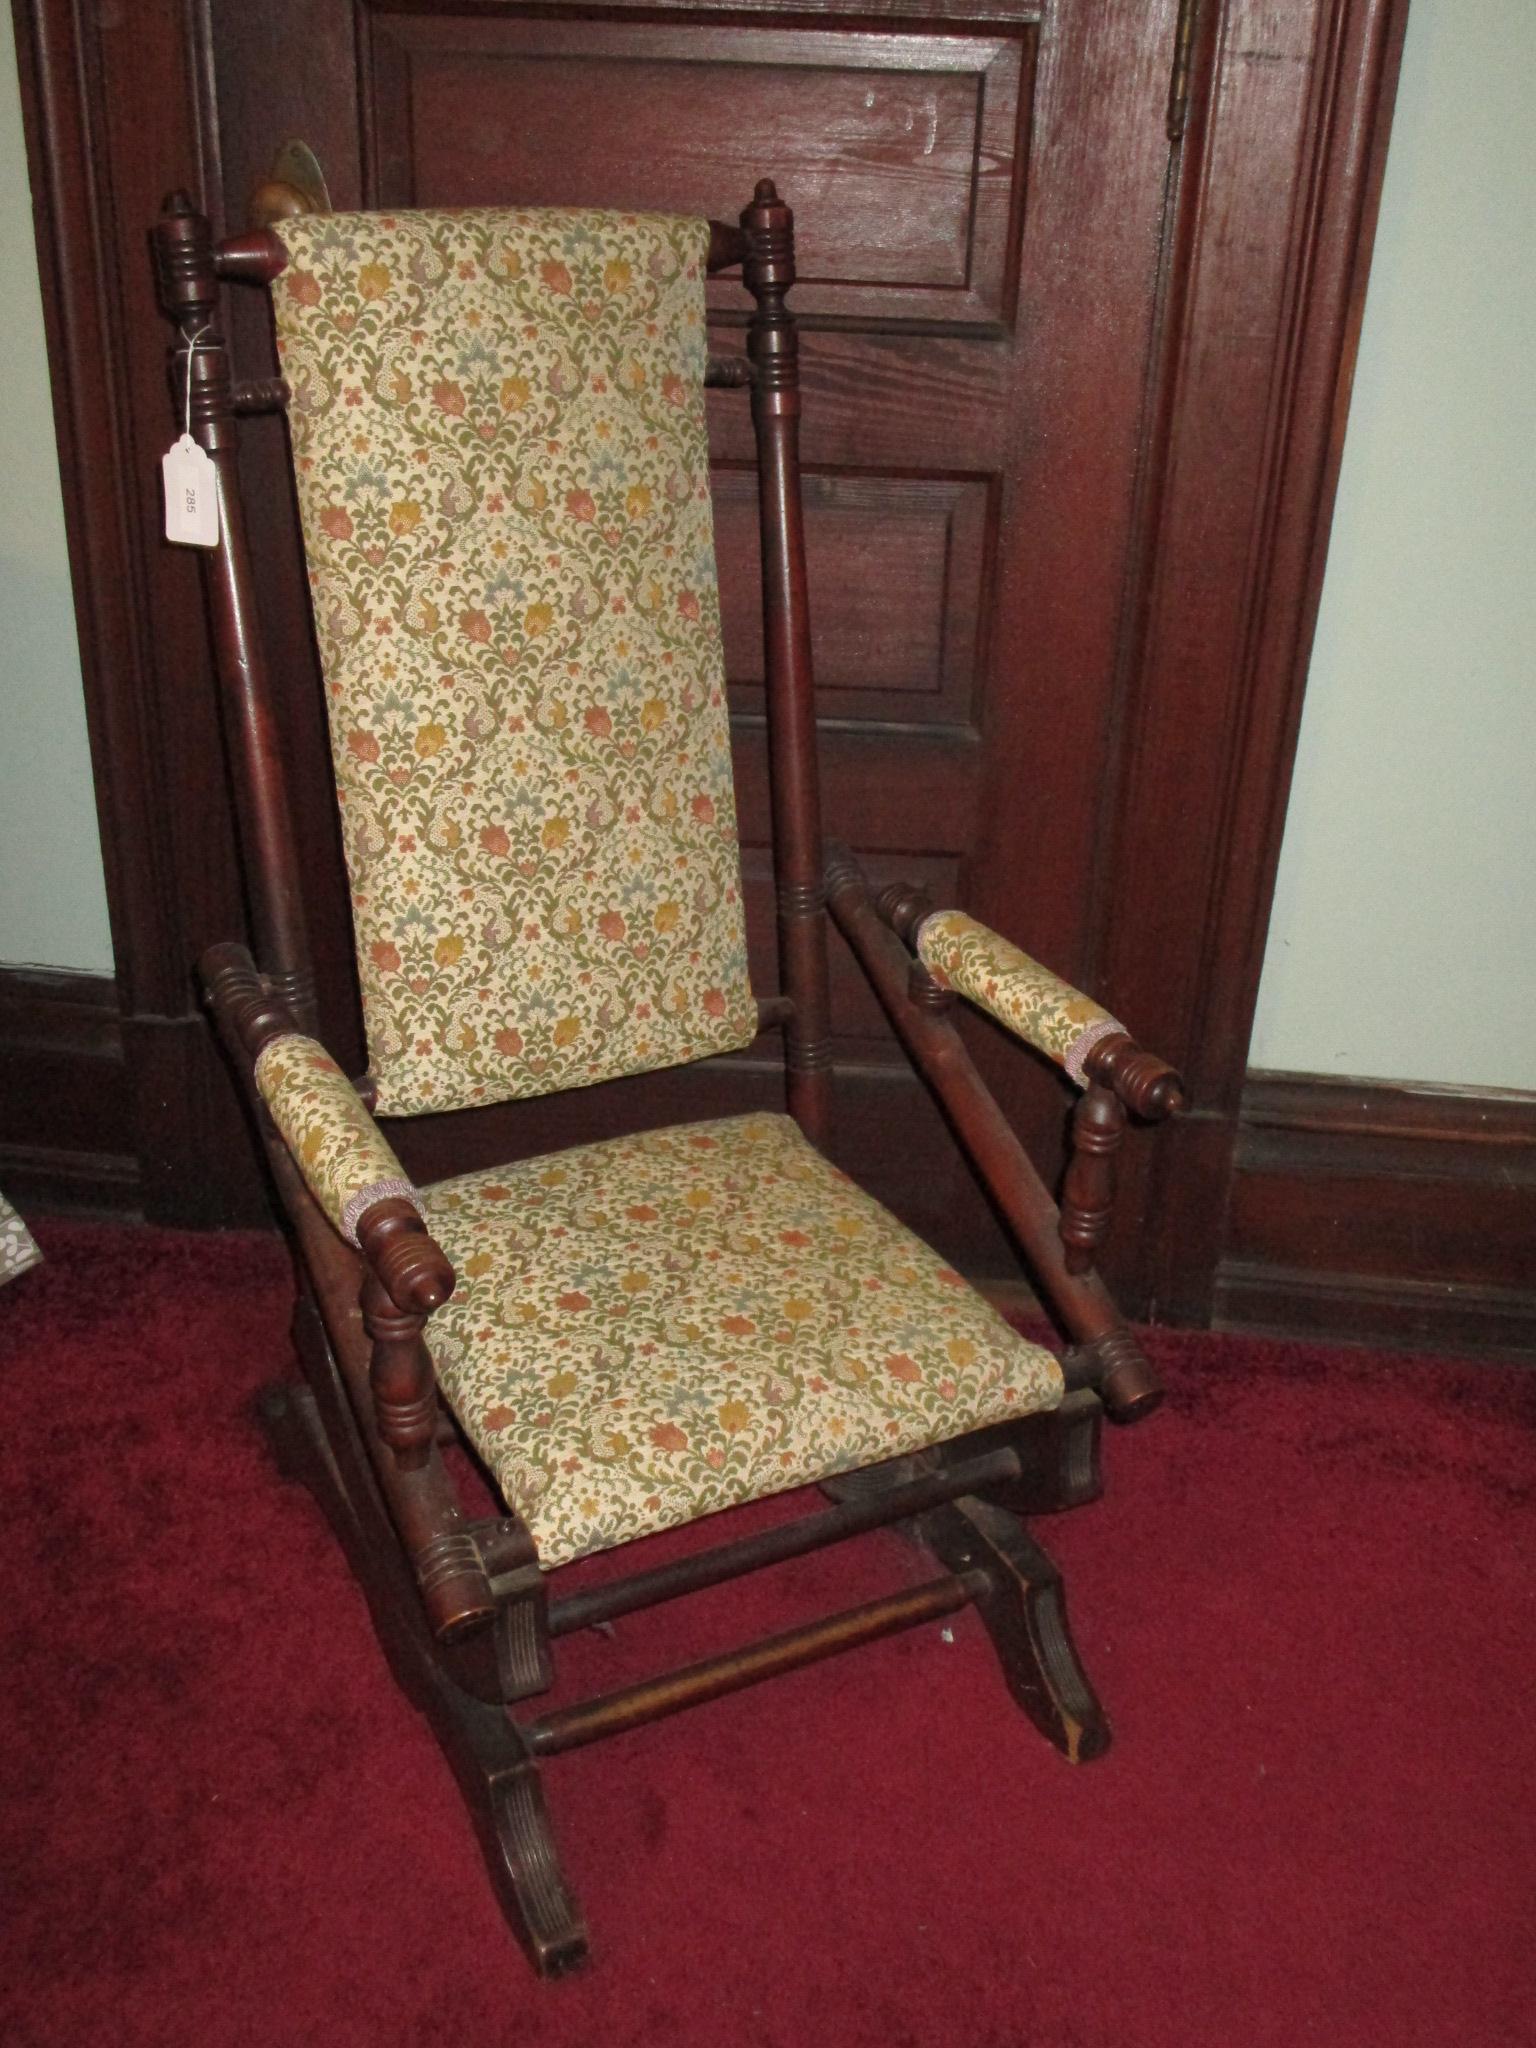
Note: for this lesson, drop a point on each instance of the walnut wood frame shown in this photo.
(461, 1603)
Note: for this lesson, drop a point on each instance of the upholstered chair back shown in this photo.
(499, 445)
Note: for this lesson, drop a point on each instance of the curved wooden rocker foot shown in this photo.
(486, 1749)
(1025, 1614)
(500, 1781)
(554, 1932)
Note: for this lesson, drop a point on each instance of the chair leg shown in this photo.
(1025, 1614)
(483, 1745)
(1058, 1456)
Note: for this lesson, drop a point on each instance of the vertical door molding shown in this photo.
(115, 105)
(1273, 221)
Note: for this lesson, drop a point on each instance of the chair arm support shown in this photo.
(406, 1260)
(1084, 1040)
(339, 1152)
(354, 1176)
(391, 1382)
(958, 955)
(1108, 1356)
(351, 1170)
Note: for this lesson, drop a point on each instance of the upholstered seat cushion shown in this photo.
(652, 1328)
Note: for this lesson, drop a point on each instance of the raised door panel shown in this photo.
(901, 148)
(898, 591)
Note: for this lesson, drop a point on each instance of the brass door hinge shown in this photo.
(1183, 62)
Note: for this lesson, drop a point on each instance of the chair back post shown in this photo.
(188, 278)
(768, 269)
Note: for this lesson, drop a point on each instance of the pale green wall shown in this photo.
(53, 903)
(1403, 941)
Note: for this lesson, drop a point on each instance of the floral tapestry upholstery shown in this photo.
(18, 1248)
(652, 1328)
(336, 1145)
(498, 433)
(1045, 1011)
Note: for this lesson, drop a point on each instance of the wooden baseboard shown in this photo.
(66, 1122)
(1380, 1212)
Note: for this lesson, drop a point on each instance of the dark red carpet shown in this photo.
(1307, 1603)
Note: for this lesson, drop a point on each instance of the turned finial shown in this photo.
(903, 906)
(1146, 1085)
(413, 1270)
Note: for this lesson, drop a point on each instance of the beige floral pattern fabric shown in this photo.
(346, 1162)
(18, 1248)
(498, 431)
(1045, 1011)
(652, 1328)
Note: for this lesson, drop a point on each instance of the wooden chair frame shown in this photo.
(462, 1608)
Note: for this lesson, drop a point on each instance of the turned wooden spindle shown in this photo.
(768, 270)
(903, 906)
(727, 247)
(1088, 1194)
(441, 1544)
(409, 1264)
(1148, 1086)
(247, 1012)
(404, 1390)
(727, 373)
(407, 1278)
(255, 395)
(925, 993)
(1114, 1365)
(1121, 1076)
(187, 271)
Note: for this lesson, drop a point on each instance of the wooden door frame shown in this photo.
(1258, 321)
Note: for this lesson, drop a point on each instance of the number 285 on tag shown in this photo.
(191, 499)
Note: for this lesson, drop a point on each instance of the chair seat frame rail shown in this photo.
(466, 1616)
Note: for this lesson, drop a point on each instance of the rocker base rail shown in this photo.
(633, 1706)
(774, 1546)
(989, 1564)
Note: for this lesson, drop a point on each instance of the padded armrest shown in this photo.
(1036, 1005)
(346, 1162)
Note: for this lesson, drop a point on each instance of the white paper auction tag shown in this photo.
(191, 501)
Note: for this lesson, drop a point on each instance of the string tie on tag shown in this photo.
(189, 478)
(186, 410)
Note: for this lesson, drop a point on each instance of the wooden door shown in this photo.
(979, 205)
(1077, 372)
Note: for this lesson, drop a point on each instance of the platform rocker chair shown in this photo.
(498, 437)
